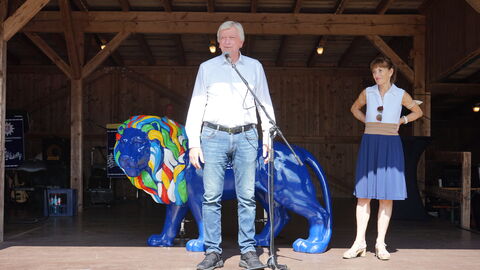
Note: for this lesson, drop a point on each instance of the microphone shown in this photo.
(227, 56)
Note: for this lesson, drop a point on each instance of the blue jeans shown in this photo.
(219, 148)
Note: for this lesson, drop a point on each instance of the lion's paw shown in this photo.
(302, 245)
(159, 240)
(195, 245)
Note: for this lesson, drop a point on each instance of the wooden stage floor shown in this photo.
(114, 238)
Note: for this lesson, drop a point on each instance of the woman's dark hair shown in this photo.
(385, 62)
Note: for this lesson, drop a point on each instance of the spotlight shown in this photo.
(102, 46)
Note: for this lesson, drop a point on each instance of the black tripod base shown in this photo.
(270, 264)
(259, 267)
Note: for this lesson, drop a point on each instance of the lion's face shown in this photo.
(134, 149)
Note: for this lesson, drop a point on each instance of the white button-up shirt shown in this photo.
(221, 97)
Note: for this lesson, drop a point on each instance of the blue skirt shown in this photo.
(380, 172)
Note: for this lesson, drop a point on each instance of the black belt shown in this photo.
(233, 130)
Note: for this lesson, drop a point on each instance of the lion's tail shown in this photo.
(322, 178)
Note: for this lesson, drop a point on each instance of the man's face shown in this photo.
(230, 41)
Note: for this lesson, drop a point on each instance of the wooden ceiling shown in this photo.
(167, 49)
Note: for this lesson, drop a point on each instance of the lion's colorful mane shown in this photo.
(164, 177)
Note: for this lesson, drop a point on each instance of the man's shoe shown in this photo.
(250, 260)
(211, 261)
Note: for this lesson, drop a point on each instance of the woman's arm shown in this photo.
(410, 104)
(357, 106)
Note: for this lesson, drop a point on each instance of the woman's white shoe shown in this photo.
(355, 251)
(381, 252)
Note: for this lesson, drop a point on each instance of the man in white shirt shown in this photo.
(221, 128)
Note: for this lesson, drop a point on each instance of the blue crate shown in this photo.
(60, 202)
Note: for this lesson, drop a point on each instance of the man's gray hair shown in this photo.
(230, 24)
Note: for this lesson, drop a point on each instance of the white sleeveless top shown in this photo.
(392, 104)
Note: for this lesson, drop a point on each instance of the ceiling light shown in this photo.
(103, 46)
(319, 50)
(212, 46)
(476, 108)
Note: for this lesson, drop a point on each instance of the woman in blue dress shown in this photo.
(380, 165)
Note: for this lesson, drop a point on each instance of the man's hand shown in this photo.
(196, 154)
(266, 153)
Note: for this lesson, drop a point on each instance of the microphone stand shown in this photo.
(273, 132)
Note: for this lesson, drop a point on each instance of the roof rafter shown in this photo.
(253, 6)
(70, 38)
(48, 51)
(115, 56)
(167, 6)
(141, 40)
(211, 5)
(283, 48)
(322, 41)
(381, 8)
(21, 17)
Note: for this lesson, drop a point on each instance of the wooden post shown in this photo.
(421, 127)
(466, 189)
(76, 140)
(3, 105)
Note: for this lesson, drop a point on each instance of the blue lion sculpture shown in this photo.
(152, 153)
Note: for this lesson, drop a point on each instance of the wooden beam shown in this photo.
(421, 127)
(298, 6)
(283, 48)
(103, 54)
(463, 62)
(76, 140)
(475, 4)
(81, 5)
(124, 4)
(383, 6)
(142, 41)
(167, 6)
(4, 9)
(70, 38)
(387, 51)
(50, 53)
(115, 57)
(281, 51)
(253, 6)
(380, 9)
(466, 189)
(21, 17)
(211, 5)
(254, 23)
(182, 60)
(3, 106)
(341, 4)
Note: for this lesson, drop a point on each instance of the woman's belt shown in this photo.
(381, 128)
